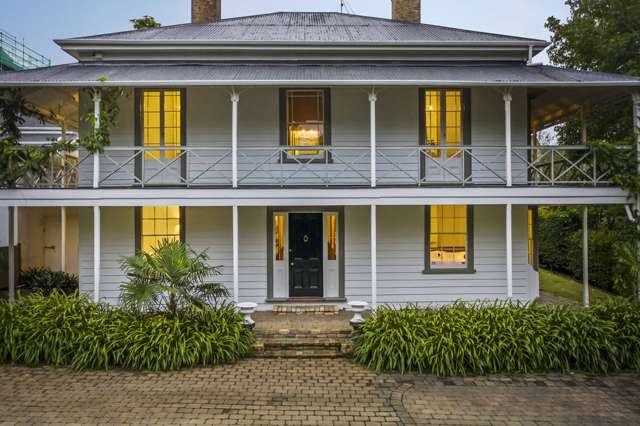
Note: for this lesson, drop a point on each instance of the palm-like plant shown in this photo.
(170, 278)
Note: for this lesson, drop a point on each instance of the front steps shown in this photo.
(302, 332)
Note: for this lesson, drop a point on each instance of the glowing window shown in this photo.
(443, 121)
(162, 122)
(448, 236)
(332, 226)
(305, 120)
(159, 223)
(530, 238)
(278, 223)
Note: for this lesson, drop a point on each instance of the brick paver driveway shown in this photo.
(307, 391)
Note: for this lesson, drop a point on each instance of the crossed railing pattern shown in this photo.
(285, 166)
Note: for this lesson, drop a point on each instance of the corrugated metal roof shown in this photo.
(306, 27)
(166, 74)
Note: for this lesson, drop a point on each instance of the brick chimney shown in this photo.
(406, 10)
(203, 11)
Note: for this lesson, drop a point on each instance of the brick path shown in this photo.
(306, 391)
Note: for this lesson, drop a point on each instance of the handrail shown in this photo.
(326, 166)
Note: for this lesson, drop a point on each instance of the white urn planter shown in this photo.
(357, 307)
(246, 309)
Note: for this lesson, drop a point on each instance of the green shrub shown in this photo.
(61, 329)
(45, 280)
(472, 339)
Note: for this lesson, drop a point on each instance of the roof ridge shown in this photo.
(249, 18)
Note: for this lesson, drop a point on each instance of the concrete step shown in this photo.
(309, 346)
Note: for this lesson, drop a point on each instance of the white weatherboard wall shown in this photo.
(401, 258)
(208, 124)
(400, 253)
(207, 228)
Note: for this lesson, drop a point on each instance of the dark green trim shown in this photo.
(341, 243)
(469, 269)
(306, 300)
(284, 134)
(466, 130)
(137, 226)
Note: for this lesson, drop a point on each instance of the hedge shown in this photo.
(502, 338)
(70, 330)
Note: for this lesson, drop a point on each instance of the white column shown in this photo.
(12, 255)
(372, 109)
(235, 98)
(96, 254)
(585, 256)
(63, 239)
(374, 259)
(507, 129)
(509, 226)
(234, 237)
(636, 126)
(96, 156)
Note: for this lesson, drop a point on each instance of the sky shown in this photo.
(38, 22)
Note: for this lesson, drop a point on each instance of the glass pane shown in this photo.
(279, 236)
(448, 239)
(433, 127)
(453, 121)
(159, 223)
(332, 225)
(305, 120)
(151, 123)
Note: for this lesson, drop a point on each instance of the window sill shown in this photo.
(449, 271)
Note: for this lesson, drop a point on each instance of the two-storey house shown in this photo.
(323, 157)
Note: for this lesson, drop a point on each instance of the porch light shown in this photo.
(246, 309)
(357, 307)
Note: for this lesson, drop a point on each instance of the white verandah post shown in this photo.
(234, 237)
(585, 220)
(12, 255)
(96, 156)
(235, 99)
(374, 259)
(372, 108)
(63, 239)
(96, 253)
(507, 127)
(509, 241)
(636, 126)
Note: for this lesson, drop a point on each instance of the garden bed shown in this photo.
(70, 330)
(502, 338)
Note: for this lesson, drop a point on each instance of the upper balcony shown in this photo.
(328, 166)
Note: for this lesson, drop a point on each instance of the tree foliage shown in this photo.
(171, 277)
(144, 23)
(602, 36)
(98, 138)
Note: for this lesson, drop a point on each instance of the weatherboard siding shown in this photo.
(400, 253)
(208, 128)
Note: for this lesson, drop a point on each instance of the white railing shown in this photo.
(327, 166)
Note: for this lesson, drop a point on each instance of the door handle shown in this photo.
(291, 264)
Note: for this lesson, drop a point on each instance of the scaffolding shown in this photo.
(15, 55)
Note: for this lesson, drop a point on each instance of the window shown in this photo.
(305, 120)
(449, 235)
(161, 122)
(157, 224)
(278, 223)
(442, 117)
(332, 221)
(531, 237)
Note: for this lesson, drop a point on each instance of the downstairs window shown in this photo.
(158, 223)
(449, 238)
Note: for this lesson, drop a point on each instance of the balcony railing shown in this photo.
(327, 166)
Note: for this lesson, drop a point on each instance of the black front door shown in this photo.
(305, 254)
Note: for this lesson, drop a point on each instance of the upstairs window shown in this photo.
(448, 238)
(162, 122)
(305, 120)
(157, 224)
(442, 118)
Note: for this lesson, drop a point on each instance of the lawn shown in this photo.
(564, 286)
